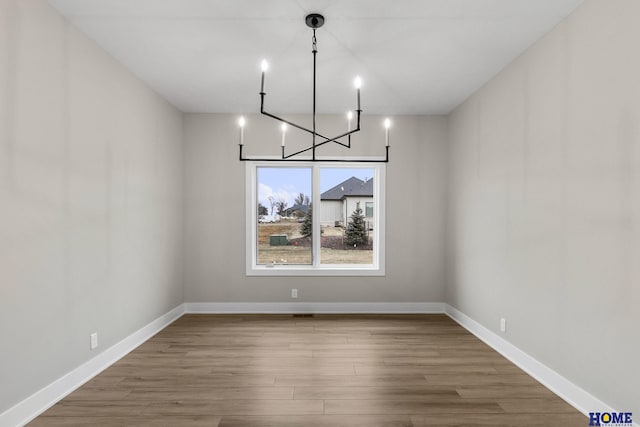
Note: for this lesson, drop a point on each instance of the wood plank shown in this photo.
(318, 421)
(96, 408)
(550, 405)
(236, 407)
(501, 420)
(424, 370)
(350, 380)
(100, 393)
(389, 393)
(209, 393)
(212, 380)
(130, 421)
(505, 392)
(473, 379)
(459, 406)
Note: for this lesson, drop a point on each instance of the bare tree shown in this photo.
(281, 206)
(272, 203)
(302, 200)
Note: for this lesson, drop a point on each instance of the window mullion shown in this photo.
(315, 215)
(251, 177)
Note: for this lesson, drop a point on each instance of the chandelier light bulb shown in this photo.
(264, 65)
(283, 126)
(358, 83)
(387, 125)
(241, 123)
(349, 119)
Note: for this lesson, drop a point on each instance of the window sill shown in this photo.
(329, 270)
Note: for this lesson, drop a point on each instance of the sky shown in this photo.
(287, 183)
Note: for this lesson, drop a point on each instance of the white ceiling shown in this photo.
(414, 56)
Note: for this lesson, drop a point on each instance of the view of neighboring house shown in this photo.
(339, 202)
(296, 211)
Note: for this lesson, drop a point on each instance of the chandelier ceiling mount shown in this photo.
(314, 20)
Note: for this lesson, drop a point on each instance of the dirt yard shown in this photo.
(298, 251)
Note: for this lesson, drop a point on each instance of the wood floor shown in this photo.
(327, 370)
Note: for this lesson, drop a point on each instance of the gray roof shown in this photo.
(352, 187)
(296, 207)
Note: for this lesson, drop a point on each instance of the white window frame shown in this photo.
(377, 268)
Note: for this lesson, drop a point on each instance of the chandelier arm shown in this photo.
(266, 113)
(332, 160)
(273, 116)
(336, 138)
(322, 143)
(326, 138)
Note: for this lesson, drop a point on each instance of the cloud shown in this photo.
(264, 191)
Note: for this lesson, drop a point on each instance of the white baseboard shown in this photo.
(37, 403)
(313, 307)
(565, 389)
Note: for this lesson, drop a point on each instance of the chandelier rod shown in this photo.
(315, 51)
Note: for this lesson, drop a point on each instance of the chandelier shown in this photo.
(314, 21)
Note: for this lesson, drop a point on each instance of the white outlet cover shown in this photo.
(503, 325)
(93, 340)
(294, 293)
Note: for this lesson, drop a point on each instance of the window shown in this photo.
(315, 218)
(369, 212)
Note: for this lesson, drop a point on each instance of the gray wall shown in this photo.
(215, 213)
(90, 208)
(545, 202)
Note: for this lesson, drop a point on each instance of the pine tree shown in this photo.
(356, 232)
(306, 229)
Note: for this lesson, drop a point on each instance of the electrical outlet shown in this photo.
(294, 293)
(93, 338)
(503, 325)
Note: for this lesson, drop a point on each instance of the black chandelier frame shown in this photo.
(313, 21)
